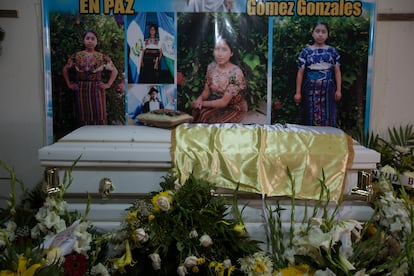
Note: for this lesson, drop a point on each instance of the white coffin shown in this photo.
(135, 158)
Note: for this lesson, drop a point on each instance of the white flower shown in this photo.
(258, 264)
(11, 226)
(342, 230)
(205, 240)
(51, 220)
(396, 226)
(227, 263)
(177, 185)
(409, 174)
(318, 238)
(41, 214)
(54, 256)
(140, 235)
(35, 232)
(156, 261)
(7, 234)
(388, 170)
(181, 270)
(190, 261)
(100, 270)
(83, 243)
(60, 226)
(403, 150)
(361, 273)
(193, 234)
(163, 203)
(3, 237)
(326, 272)
(55, 205)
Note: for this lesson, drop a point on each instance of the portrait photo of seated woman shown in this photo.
(221, 69)
(222, 99)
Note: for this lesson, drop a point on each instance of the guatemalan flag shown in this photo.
(166, 32)
(135, 39)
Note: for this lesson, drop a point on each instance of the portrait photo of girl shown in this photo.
(222, 99)
(221, 70)
(87, 61)
(321, 74)
(151, 37)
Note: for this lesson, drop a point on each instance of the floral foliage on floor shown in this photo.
(188, 229)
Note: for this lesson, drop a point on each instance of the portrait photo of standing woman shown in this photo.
(88, 85)
(318, 81)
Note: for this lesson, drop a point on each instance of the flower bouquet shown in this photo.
(40, 236)
(182, 229)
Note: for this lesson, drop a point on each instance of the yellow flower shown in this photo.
(162, 201)
(371, 230)
(195, 269)
(239, 228)
(212, 264)
(126, 259)
(296, 270)
(259, 267)
(22, 270)
(151, 217)
(131, 216)
(201, 261)
(218, 268)
(231, 269)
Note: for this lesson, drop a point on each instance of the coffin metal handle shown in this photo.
(106, 187)
(364, 185)
(51, 182)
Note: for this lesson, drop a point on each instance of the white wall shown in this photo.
(21, 92)
(22, 96)
(393, 92)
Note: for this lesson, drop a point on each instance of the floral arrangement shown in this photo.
(182, 229)
(188, 229)
(40, 236)
(397, 155)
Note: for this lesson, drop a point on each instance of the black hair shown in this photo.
(317, 23)
(230, 41)
(155, 26)
(89, 31)
(152, 89)
(226, 39)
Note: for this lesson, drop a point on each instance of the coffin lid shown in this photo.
(114, 145)
(126, 146)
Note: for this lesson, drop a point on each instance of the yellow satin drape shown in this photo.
(257, 157)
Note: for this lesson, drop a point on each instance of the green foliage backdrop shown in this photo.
(66, 38)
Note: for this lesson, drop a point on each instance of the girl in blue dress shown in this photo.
(318, 81)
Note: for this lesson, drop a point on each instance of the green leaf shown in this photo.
(252, 61)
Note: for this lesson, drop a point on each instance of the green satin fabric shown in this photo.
(257, 157)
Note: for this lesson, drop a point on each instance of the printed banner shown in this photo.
(221, 61)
